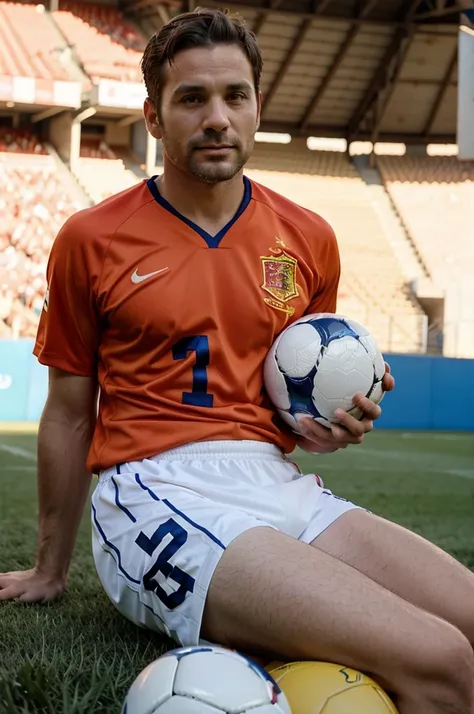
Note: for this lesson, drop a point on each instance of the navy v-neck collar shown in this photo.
(212, 241)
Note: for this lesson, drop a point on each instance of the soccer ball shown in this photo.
(324, 688)
(317, 365)
(204, 680)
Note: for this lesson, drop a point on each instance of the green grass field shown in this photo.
(78, 655)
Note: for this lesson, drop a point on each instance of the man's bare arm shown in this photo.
(64, 439)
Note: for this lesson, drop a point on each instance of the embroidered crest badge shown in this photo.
(279, 280)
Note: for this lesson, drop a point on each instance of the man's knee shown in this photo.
(443, 669)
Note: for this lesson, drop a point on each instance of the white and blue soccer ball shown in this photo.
(317, 365)
(204, 680)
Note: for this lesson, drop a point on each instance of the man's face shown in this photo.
(209, 112)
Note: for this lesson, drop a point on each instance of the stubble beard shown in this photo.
(213, 171)
(216, 171)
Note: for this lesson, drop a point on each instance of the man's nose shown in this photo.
(216, 117)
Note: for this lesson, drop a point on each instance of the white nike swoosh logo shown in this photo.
(140, 278)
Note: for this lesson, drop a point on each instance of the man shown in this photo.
(202, 527)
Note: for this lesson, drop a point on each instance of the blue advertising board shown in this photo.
(431, 392)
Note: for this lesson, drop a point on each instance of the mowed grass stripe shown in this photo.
(18, 451)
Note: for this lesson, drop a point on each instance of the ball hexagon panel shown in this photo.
(298, 351)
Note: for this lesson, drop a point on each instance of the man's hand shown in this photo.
(30, 586)
(322, 440)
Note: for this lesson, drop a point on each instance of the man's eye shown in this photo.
(236, 97)
(191, 99)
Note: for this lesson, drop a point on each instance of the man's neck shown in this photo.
(210, 206)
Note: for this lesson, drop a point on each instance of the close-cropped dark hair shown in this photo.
(201, 28)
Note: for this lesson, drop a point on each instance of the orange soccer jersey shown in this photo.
(175, 322)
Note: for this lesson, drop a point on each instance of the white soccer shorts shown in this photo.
(161, 525)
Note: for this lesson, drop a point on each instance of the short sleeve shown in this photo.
(68, 332)
(325, 296)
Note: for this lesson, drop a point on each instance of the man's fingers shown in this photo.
(388, 382)
(10, 592)
(332, 439)
(346, 435)
(312, 430)
(349, 430)
(318, 447)
(371, 411)
(20, 593)
(32, 596)
(316, 437)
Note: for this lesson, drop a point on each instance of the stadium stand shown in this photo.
(102, 150)
(373, 288)
(33, 205)
(28, 42)
(435, 198)
(20, 141)
(107, 46)
(109, 21)
(101, 172)
(101, 178)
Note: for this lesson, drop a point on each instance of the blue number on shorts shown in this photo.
(162, 564)
(200, 345)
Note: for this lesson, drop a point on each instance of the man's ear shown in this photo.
(259, 109)
(152, 121)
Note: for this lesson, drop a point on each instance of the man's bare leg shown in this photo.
(272, 595)
(404, 563)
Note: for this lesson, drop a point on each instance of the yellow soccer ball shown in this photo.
(324, 688)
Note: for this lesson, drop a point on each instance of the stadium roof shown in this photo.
(379, 70)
